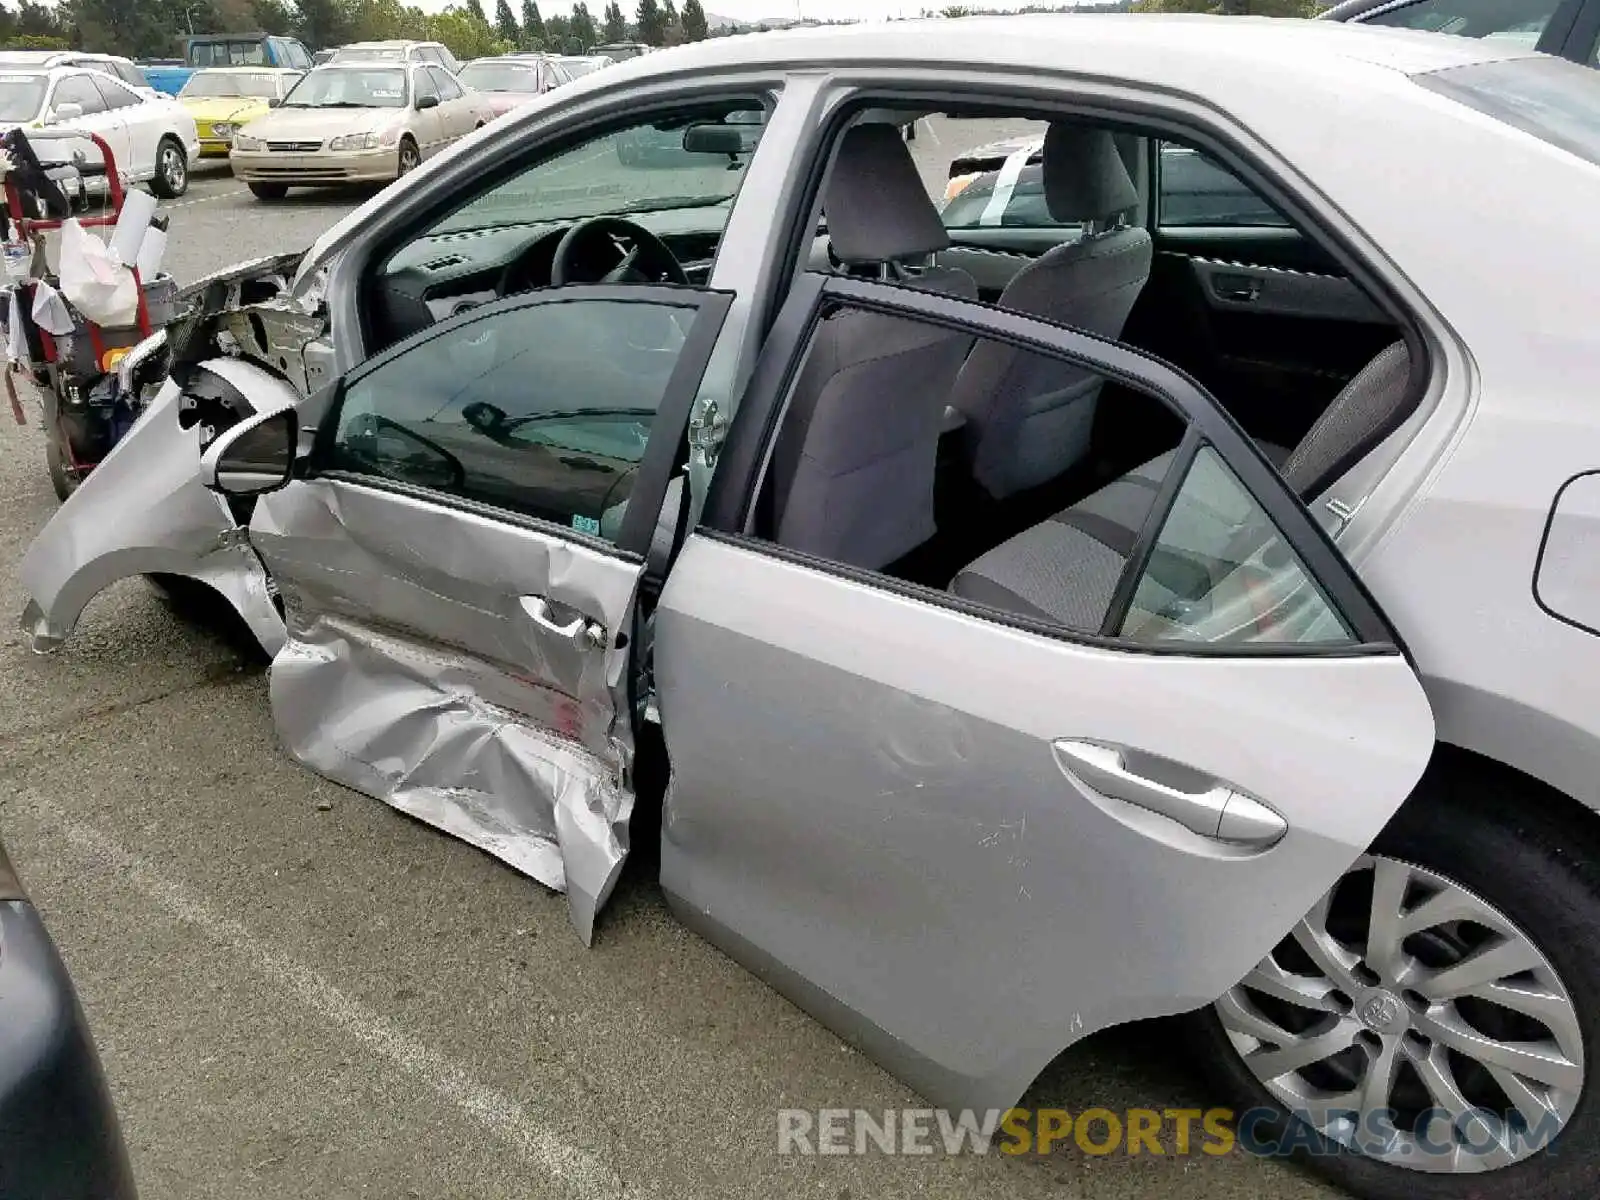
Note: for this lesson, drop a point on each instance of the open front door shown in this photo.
(967, 828)
(458, 560)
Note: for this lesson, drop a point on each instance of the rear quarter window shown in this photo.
(1552, 99)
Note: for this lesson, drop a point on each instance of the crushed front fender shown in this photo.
(143, 511)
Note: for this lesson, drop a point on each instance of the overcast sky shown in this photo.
(755, 10)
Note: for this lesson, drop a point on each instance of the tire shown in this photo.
(410, 157)
(62, 478)
(171, 179)
(1539, 877)
(268, 191)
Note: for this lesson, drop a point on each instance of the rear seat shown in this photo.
(1065, 569)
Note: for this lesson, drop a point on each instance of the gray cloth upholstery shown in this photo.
(1083, 175)
(876, 206)
(1059, 570)
(1364, 407)
(853, 468)
(1029, 416)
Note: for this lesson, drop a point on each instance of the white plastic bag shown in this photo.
(94, 281)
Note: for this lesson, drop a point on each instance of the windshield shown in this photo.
(349, 87)
(20, 97)
(637, 170)
(500, 77)
(229, 84)
(1554, 100)
(370, 54)
(578, 66)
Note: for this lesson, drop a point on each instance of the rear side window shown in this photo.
(1554, 100)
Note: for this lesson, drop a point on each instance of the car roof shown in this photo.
(392, 44)
(45, 56)
(1157, 47)
(1350, 9)
(263, 69)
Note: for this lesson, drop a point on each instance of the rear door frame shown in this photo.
(701, 637)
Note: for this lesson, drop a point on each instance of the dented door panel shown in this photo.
(422, 669)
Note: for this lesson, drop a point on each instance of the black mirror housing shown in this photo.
(254, 457)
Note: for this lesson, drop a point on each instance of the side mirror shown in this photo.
(427, 102)
(273, 102)
(714, 139)
(254, 457)
(487, 419)
(65, 112)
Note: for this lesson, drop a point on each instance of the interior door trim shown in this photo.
(730, 504)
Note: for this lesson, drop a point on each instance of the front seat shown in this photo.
(1029, 417)
(853, 468)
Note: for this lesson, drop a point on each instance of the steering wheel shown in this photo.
(648, 261)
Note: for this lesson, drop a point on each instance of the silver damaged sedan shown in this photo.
(1082, 606)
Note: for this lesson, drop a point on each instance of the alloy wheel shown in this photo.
(1409, 1019)
(173, 169)
(409, 158)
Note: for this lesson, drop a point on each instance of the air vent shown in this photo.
(449, 260)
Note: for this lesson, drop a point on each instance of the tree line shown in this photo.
(156, 28)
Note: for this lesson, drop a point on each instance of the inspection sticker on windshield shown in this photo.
(586, 525)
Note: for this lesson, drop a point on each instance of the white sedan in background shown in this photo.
(152, 138)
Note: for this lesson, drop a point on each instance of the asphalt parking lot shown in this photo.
(299, 992)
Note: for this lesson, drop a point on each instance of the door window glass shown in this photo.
(544, 409)
(449, 89)
(422, 84)
(1195, 190)
(1511, 20)
(79, 90)
(115, 95)
(1148, 542)
(1220, 572)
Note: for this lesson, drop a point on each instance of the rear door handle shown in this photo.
(1218, 811)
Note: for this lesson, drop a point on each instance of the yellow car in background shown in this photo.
(222, 99)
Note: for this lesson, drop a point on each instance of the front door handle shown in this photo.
(1215, 810)
(580, 628)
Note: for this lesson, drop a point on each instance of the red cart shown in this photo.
(84, 414)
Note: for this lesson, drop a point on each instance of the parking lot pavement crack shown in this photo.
(578, 1172)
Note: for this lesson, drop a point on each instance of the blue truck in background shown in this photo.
(224, 50)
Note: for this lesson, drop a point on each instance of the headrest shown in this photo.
(1084, 177)
(877, 209)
